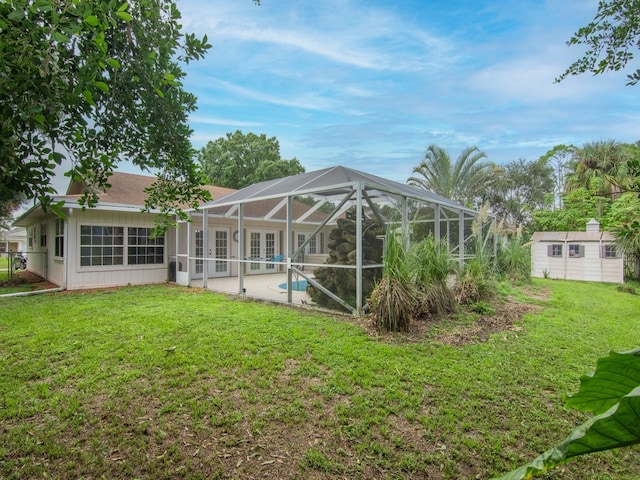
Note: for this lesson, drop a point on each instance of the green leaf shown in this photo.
(59, 37)
(615, 376)
(124, 7)
(16, 15)
(92, 20)
(88, 96)
(124, 16)
(102, 86)
(38, 117)
(619, 426)
(112, 62)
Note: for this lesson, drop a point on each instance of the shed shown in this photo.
(591, 255)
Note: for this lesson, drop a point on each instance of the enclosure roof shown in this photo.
(332, 183)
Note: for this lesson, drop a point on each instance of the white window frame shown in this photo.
(607, 248)
(58, 250)
(551, 252)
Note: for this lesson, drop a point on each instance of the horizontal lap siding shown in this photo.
(613, 270)
(109, 276)
(539, 260)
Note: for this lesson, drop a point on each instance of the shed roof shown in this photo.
(331, 183)
(572, 237)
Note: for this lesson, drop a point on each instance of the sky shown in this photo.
(371, 84)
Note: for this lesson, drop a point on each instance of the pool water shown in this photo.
(299, 286)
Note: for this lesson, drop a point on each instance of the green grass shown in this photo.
(165, 382)
(4, 268)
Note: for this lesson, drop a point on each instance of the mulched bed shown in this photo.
(508, 312)
(25, 277)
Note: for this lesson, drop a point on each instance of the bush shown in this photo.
(476, 280)
(514, 260)
(431, 262)
(431, 265)
(392, 303)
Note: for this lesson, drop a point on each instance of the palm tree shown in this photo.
(463, 181)
(601, 166)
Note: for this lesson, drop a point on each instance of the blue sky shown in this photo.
(370, 84)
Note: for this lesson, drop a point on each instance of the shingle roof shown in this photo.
(128, 189)
(571, 237)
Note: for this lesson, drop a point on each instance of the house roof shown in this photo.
(572, 237)
(331, 183)
(129, 189)
(126, 194)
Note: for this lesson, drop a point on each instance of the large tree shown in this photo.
(96, 82)
(560, 158)
(524, 187)
(463, 181)
(612, 39)
(238, 160)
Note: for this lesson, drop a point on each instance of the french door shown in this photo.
(217, 253)
(262, 247)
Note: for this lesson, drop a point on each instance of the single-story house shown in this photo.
(278, 226)
(13, 239)
(105, 246)
(591, 255)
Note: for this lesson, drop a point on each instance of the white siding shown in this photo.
(590, 267)
(79, 277)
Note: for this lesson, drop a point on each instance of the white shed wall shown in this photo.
(591, 267)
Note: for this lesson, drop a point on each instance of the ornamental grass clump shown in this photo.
(393, 299)
(514, 260)
(476, 280)
(431, 266)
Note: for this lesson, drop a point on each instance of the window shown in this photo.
(199, 251)
(554, 250)
(313, 245)
(31, 233)
(142, 248)
(59, 238)
(609, 251)
(576, 250)
(100, 245)
(43, 234)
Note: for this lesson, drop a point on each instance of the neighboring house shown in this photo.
(591, 255)
(105, 246)
(13, 240)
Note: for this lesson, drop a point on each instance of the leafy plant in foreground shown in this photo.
(612, 393)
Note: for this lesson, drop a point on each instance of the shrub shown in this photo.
(514, 260)
(393, 299)
(431, 262)
(392, 303)
(476, 280)
(431, 265)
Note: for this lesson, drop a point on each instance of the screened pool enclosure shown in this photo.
(320, 232)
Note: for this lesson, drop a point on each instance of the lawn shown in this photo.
(168, 382)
